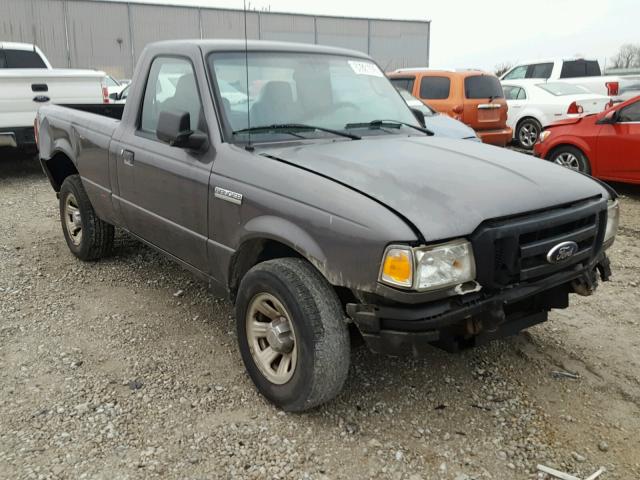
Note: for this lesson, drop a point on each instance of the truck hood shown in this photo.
(444, 187)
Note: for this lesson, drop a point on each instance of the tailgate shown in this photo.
(485, 107)
(23, 91)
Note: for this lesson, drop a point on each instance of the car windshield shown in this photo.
(325, 91)
(559, 89)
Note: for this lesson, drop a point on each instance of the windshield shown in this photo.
(327, 91)
(560, 89)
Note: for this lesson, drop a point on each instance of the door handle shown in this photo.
(127, 157)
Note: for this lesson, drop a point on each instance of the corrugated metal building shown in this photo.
(110, 35)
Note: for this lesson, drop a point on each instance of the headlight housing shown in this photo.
(613, 219)
(428, 268)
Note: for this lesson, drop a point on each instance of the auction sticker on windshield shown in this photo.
(365, 68)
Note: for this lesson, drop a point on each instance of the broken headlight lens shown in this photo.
(444, 265)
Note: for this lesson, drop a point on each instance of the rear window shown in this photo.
(580, 68)
(435, 88)
(403, 83)
(482, 86)
(559, 89)
(21, 59)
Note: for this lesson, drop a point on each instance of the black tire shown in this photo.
(570, 157)
(527, 132)
(321, 334)
(96, 240)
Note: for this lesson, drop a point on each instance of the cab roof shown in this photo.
(233, 45)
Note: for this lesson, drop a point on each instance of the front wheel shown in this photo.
(88, 237)
(291, 333)
(528, 132)
(572, 158)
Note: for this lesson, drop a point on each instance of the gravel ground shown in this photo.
(127, 368)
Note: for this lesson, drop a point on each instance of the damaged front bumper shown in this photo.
(466, 321)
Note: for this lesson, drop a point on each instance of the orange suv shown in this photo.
(471, 96)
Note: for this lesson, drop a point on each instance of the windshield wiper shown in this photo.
(387, 123)
(295, 126)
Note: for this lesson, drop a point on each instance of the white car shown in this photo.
(27, 81)
(533, 104)
(576, 71)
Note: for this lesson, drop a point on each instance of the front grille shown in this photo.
(514, 250)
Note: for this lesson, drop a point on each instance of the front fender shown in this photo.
(288, 233)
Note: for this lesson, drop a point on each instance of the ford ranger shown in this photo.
(295, 180)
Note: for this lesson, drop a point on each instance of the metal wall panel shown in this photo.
(150, 23)
(228, 24)
(111, 35)
(343, 32)
(399, 44)
(36, 21)
(287, 28)
(99, 37)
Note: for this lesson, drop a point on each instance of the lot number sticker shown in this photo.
(365, 68)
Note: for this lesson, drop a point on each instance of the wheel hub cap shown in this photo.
(279, 336)
(271, 338)
(73, 219)
(568, 160)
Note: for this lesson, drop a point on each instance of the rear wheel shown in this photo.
(88, 237)
(527, 132)
(291, 333)
(572, 158)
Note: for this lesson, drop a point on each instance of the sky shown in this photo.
(484, 33)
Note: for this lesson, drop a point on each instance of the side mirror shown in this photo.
(174, 128)
(609, 118)
(419, 116)
(114, 96)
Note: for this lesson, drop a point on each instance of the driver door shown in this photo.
(163, 189)
(619, 145)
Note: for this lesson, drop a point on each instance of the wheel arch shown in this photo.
(58, 167)
(267, 238)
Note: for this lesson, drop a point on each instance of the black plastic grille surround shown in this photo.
(513, 250)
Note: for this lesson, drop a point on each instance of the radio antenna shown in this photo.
(246, 67)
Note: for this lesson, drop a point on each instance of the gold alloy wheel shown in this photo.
(271, 338)
(72, 219)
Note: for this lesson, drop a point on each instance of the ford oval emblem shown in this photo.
(561, 252)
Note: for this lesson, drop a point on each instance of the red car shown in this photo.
(605, 145)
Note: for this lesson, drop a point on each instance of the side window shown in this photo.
(23, 59)
(172, 87)
(510, 93)
(522, 95)
(518, 72)
(630, 113)
(403, 83)
(435, 88)
(3, 60)
(540, 70)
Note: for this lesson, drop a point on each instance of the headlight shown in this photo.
(543, 135)
(427, 268)
(613, 219)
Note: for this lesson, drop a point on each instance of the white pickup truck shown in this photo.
(27, 81)
(577, 71)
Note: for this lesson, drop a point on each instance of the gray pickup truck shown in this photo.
(304, 189)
